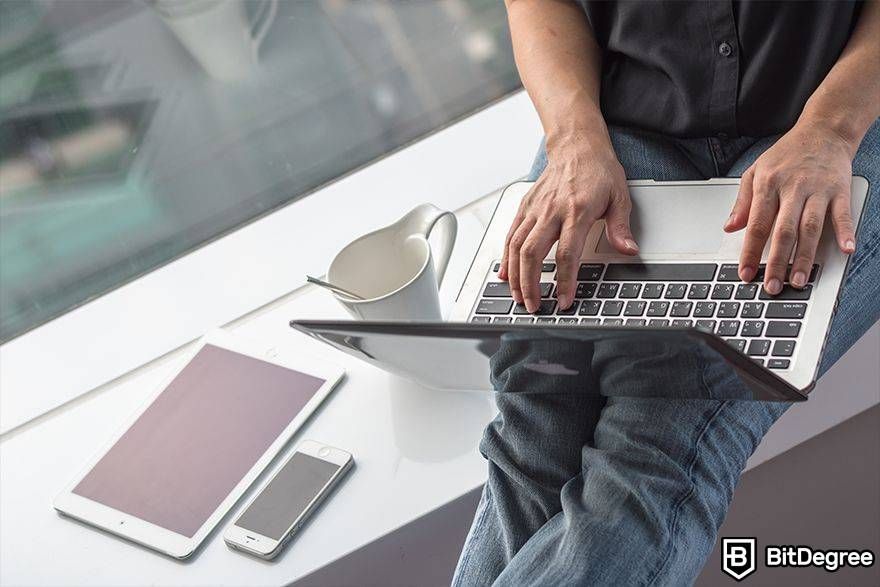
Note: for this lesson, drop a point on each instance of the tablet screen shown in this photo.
(180, 459)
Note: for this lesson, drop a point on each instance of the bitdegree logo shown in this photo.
(805, 556)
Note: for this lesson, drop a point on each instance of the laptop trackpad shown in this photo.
(678, 222)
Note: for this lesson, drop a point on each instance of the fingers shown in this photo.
(513, 250)
(502, 271)
(531, 257)
(841, 219)
(812, 220)
(765, 202)
(572, 238)
(617, 229)
(739, 216)
(785, 235)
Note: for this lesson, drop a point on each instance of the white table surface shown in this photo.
(415, 450)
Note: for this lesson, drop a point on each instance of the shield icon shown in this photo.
(738, 557)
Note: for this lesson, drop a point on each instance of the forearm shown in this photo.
(847, 101)
(559, 63)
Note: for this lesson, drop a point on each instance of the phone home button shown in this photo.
(324, 452)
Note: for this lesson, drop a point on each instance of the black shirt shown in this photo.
(719, 68)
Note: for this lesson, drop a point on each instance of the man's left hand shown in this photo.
(784, 197)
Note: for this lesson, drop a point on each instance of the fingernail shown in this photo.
(729, 220)
(747, 273)
(564, 301)
(849, 246)
(799, 279)
(631, 244)
(774, 286)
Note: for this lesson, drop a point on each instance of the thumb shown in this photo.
(617, 225)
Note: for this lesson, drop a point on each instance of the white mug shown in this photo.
(393, 269)
(218, 33)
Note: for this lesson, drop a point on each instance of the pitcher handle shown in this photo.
(427, 216)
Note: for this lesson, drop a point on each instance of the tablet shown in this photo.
(180, 464)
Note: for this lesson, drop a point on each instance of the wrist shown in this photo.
(585, 137)
(839, 125)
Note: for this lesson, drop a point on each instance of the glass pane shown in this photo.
(132, 132)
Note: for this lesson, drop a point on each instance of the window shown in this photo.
(132, 132)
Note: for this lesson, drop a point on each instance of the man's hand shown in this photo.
(580, 185)
(784, 197)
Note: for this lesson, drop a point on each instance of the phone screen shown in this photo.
(287, 496)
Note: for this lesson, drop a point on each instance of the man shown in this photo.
(786, 95)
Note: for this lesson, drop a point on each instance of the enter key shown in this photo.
(785, 310)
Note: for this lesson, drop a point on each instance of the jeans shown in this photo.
(632, 491)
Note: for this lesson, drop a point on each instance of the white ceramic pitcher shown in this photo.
(393, 268)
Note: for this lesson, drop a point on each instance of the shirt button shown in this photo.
(725, 49)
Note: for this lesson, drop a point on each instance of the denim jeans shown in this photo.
(632, 491)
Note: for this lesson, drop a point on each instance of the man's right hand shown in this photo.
(580, 185)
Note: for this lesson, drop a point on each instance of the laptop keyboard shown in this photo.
(707, 296)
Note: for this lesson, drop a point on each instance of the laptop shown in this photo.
(678, 307)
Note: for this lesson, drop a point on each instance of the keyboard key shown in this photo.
(783, 348)
(586, 289)
(752, 310)
(722, 291)
(612, 308)
(571, 311)
(728, 309)
(502, 320)
(658, 308)
(789, 293)
(682, 323)
(746, 291)
(496, 267)
(546, 308)
(590, 321)
(779, 329)
(706, 325)
(785, 310)
(524, 320)
(607, 290)
(635, 308)
(729, 272)
(660, 271)
(778, 363)
(481, 319)
(752, 328)
(737, 343)
(658, 323)
(676, 291)
(546, 320)
(590, 271)
(681, 309)
(704, 310)
(501, 289)
(630, 290)
(652, 291)
(494, 306)
(636, 322)
(612, 322)
(568, 321)
(759, 361)
(548, 267)
(699, 291)
(728, 328)
(589, 308)
(759, 348)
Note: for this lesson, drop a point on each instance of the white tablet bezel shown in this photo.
(161, 539)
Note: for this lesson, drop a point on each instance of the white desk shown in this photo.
(415, 450)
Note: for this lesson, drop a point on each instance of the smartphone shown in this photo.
(281, 506)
